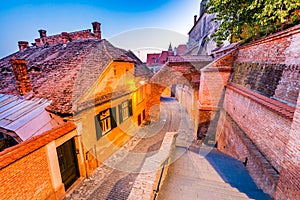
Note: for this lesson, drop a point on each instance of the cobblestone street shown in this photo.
(115, 179)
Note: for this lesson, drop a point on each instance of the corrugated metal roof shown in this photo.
(16, 112)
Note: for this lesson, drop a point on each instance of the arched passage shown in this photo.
(183, 73)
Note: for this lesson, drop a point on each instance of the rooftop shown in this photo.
(55, 69)
(16, 115)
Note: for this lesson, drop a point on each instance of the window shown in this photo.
(140, 94)
(125, 110)
(144, 114)
(139, 119)
(203, 27)
(105, 122)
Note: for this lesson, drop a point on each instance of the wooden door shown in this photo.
(68, 163)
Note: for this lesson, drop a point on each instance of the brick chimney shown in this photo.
(195, 19)
(19, 67)
(65, 37)
(23, 45)
(42, 33)
(96, 29)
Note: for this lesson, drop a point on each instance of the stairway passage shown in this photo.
(115, 179)
(215, 176)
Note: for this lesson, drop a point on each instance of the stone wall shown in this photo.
(272, 80)
(154, 171)
(271, 65)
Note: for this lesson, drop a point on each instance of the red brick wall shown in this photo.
(211, 89)
(277, 48)
(27, 178)
(265, 122)
(234, 142)
(289, 182)
(79, 35)
(280, 50)
(267, 129)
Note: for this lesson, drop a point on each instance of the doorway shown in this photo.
(68, 164)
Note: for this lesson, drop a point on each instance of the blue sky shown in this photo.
(20, 20)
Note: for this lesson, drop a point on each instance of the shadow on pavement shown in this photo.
(234, 173)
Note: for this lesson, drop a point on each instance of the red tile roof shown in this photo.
(152, 58)
(56, 69)
(163, 57)
(180, 50)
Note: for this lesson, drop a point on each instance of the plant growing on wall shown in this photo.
(249, 19)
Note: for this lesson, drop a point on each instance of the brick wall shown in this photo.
(271, 65)
(259, 121)
(78, 35)
(234, 142)
(211, 89)
(280, 48)
(268, 130)
(27, 178)
(289, 182)
(27, 171)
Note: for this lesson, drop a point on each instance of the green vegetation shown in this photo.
(249, 19)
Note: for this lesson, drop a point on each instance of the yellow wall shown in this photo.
(116, 75)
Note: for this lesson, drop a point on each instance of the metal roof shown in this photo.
(17, 115)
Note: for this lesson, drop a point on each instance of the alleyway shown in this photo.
(190, 176)
(116, 182)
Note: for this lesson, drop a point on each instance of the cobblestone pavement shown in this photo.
(115, 179)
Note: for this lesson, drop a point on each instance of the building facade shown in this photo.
(84, 92)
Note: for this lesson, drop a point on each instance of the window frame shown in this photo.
(108, 122)
(140, 95)
(125, 109)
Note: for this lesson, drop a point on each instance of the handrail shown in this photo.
(160, 178)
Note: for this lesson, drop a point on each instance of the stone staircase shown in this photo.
(213, 176)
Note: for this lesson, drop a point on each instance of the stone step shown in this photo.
(213, 185)
(208, 189)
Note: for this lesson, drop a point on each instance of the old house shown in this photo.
(61, 81)
(155, 61)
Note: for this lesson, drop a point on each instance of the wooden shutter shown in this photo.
(98, 127)
(113, 117)
(120, 113)
(130, 107)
